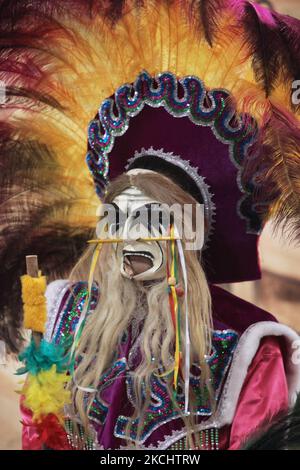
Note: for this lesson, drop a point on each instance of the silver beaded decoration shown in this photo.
(201, 440)
(212, 439)
(76, 440)
(216, 438)
(204, 440)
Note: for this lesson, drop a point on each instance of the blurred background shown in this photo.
(279, 289)
(277, 292)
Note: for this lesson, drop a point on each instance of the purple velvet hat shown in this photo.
(195, 137)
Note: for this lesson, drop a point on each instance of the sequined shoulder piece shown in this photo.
(71, 309)
(224, 343)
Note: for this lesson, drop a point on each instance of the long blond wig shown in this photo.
(118, 301)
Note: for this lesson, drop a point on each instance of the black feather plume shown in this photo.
(281, 433)
(265, 45)
(209, 16)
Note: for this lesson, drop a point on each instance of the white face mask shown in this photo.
(139, 260)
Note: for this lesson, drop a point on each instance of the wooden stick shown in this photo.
(32, 268)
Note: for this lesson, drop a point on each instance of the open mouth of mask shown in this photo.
(142, 261)
(137, 262)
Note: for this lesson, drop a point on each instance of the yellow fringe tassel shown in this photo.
(33, 295)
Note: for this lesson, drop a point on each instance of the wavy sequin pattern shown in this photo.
(161, 410)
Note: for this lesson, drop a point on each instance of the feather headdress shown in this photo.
(59, 60)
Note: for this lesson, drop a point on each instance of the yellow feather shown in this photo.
(45, 393)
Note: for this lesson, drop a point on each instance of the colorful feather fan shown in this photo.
(59, 60)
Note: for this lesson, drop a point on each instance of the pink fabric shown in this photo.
(263, 395)
(30, 438)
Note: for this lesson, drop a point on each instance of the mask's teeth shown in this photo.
(136, 253)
